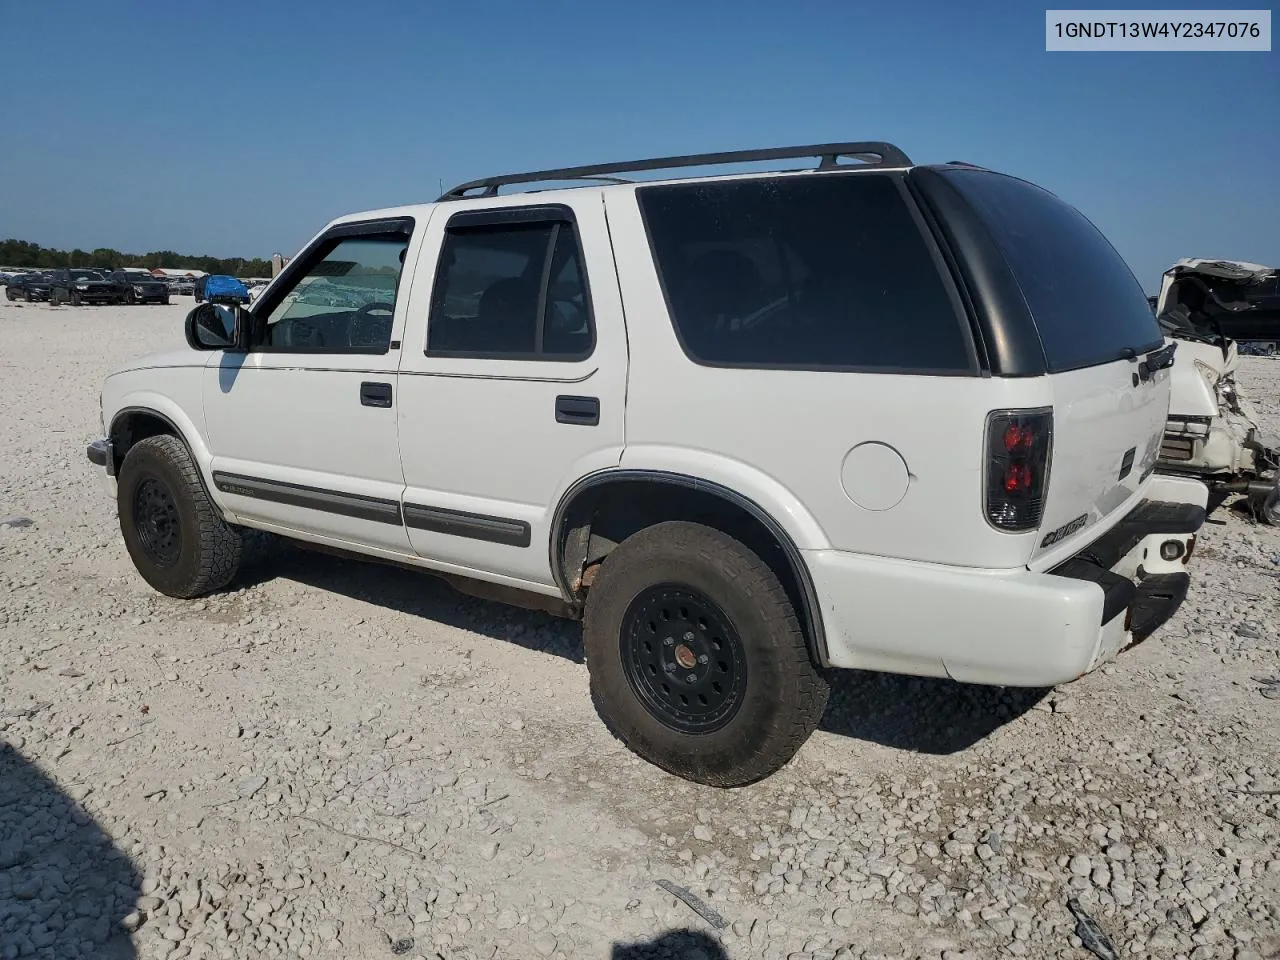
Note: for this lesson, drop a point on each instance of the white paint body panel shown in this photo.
(1099, 415)
(272, 418)
(1013, 627)
(1197, 368)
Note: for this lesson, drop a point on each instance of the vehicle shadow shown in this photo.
(229, 365)
(920, 714)
(64, 885)
(413, 592)
(682, 944)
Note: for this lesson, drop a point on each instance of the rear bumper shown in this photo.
(1013, 627)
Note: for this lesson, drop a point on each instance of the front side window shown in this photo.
(511, 291)
(827, 271)
(344, 301)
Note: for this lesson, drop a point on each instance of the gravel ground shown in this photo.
(335, 759)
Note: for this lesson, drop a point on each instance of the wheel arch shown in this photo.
(632, 499)
(132, 424)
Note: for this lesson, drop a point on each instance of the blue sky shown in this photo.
(139, 126)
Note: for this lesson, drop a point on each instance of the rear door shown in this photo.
(1096, 330)
(517, 384)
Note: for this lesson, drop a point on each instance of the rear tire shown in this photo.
(175, 536)
(1267, 508)
(10, 295)
(697, 661)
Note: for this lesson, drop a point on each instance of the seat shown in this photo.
(721, 286)
(507, 316)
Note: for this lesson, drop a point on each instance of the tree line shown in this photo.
(20, 253)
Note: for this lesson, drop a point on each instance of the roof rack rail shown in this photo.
(885, 154)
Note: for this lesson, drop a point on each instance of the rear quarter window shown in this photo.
(827, 271)
(1087, 305)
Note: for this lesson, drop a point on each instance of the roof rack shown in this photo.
(884, 154)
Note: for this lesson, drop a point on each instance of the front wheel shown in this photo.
(10, 295)
(76, 299)
(165, 301)
(697, 661)
(174, 535)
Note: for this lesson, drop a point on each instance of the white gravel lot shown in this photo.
(335, 759)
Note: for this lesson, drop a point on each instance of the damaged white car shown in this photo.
(1211, 306)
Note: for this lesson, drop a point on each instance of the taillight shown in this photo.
(1017, 468)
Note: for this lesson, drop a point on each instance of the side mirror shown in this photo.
(214, 326)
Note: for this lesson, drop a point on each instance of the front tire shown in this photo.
(697, 660)
(177, 540)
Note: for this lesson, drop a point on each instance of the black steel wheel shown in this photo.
(173, 532)
(156, 517)
(697, 660)
(683, 658)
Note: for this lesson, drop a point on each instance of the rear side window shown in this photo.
(1087, 305)
(511, 291)
(827, 272)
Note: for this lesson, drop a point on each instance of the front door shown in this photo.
(303, 426)
(512, 381)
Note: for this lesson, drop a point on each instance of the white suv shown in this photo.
(749, 427)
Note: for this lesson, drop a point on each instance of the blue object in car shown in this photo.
(225, 289)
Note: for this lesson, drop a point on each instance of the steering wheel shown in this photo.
(368, 330)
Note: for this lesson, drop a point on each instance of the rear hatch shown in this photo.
(1103, 354)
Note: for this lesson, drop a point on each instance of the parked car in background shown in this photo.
(182, 286)
(28, 286)
(222, 289)
(1214, 308)
(1260, 348)
(142, 287)
(77, 286)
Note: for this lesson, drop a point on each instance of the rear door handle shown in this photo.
(375, 394)
(584, 411)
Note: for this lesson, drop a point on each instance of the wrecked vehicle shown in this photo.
(1212, 307)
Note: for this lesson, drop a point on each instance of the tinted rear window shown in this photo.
(1087, 305)
(825, 271)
